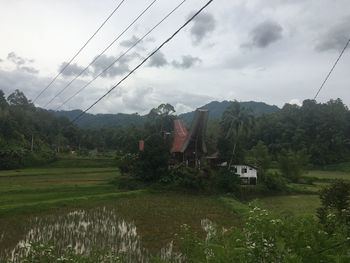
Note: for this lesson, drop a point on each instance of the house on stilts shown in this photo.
(189, 147)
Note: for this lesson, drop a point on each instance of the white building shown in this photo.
(247, 173)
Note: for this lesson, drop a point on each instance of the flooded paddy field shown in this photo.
(135, 225)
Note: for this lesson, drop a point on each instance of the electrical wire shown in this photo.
(123, 54)
(145, 60)
(79, 51)
(99, 55)
(330, 72)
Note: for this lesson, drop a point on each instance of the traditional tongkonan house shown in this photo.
(189, 146)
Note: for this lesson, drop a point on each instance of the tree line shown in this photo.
(318, 132)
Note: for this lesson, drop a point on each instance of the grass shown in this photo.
(61, 183)
(329, 175)
(298, 205)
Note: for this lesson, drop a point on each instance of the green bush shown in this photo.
(275, 182)
(265, 238)
(126, 163)
(293, 164)
(227, 182)
(335, 206)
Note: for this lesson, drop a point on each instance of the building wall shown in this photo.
(250, 172)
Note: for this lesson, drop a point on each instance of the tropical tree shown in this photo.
(236, 124)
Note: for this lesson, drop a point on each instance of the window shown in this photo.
(244, 170)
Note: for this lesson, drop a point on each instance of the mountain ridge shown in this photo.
(109, 120)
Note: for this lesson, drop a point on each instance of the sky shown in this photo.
(271, 51)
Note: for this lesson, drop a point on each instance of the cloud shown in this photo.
(29, 70)
(158, 60)
(264, 34)
(1, 60)
(187, 62)
(129, 42)
(202, 26)
(295, 102)
(21, 63)
(17, 59)
(73, 70)
(335, 38)
(121, 67)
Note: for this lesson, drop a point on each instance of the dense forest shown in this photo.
(31, 135)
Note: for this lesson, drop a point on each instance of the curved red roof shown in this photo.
(180, 135)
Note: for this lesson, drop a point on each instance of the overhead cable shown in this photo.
(79, 51)
(99, 55)
(145, 60)
(122, 55)
(330, 72)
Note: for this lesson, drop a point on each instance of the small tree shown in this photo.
(259, 156)
(153, 161)
(3, 102)
(335, 205)
(18, 98)
(293, 164)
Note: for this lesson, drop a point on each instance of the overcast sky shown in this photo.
(272, 51)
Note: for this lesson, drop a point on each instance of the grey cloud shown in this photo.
(264, 34)
(335, 38)
(1, 60)
(21, 63)
(73, 70)
(119, 68)
(187, 62)
(129, 42)
(202, 26)
(16, 59)
(158, 60)
(29, 69)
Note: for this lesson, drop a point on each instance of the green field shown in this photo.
(291, 204)
(36, 189)
(42, 197)
(331, 175)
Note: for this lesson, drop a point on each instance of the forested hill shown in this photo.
(217, 108)
(102, 120)
(121, 119)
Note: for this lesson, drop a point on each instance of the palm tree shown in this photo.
(236, 122)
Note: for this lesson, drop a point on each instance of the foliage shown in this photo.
(335, 206)
(126, 163)
(227, 182)
(293, 164)
(322, 129)
(275, 182)
(152, 163)
(236, 124)
(266, 238)
(260, 158)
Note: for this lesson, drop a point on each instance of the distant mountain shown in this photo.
(215, 108)
(102, 120)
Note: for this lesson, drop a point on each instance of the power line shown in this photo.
(145, 60)
(81, 49)
(330, 72)
(97, 57)
(123, 54)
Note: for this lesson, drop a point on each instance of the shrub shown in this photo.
(227, 182)
(335, 206)
(293, 164)
(275, 182)
(127, 162)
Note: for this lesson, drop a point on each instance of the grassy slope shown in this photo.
(66, 181)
